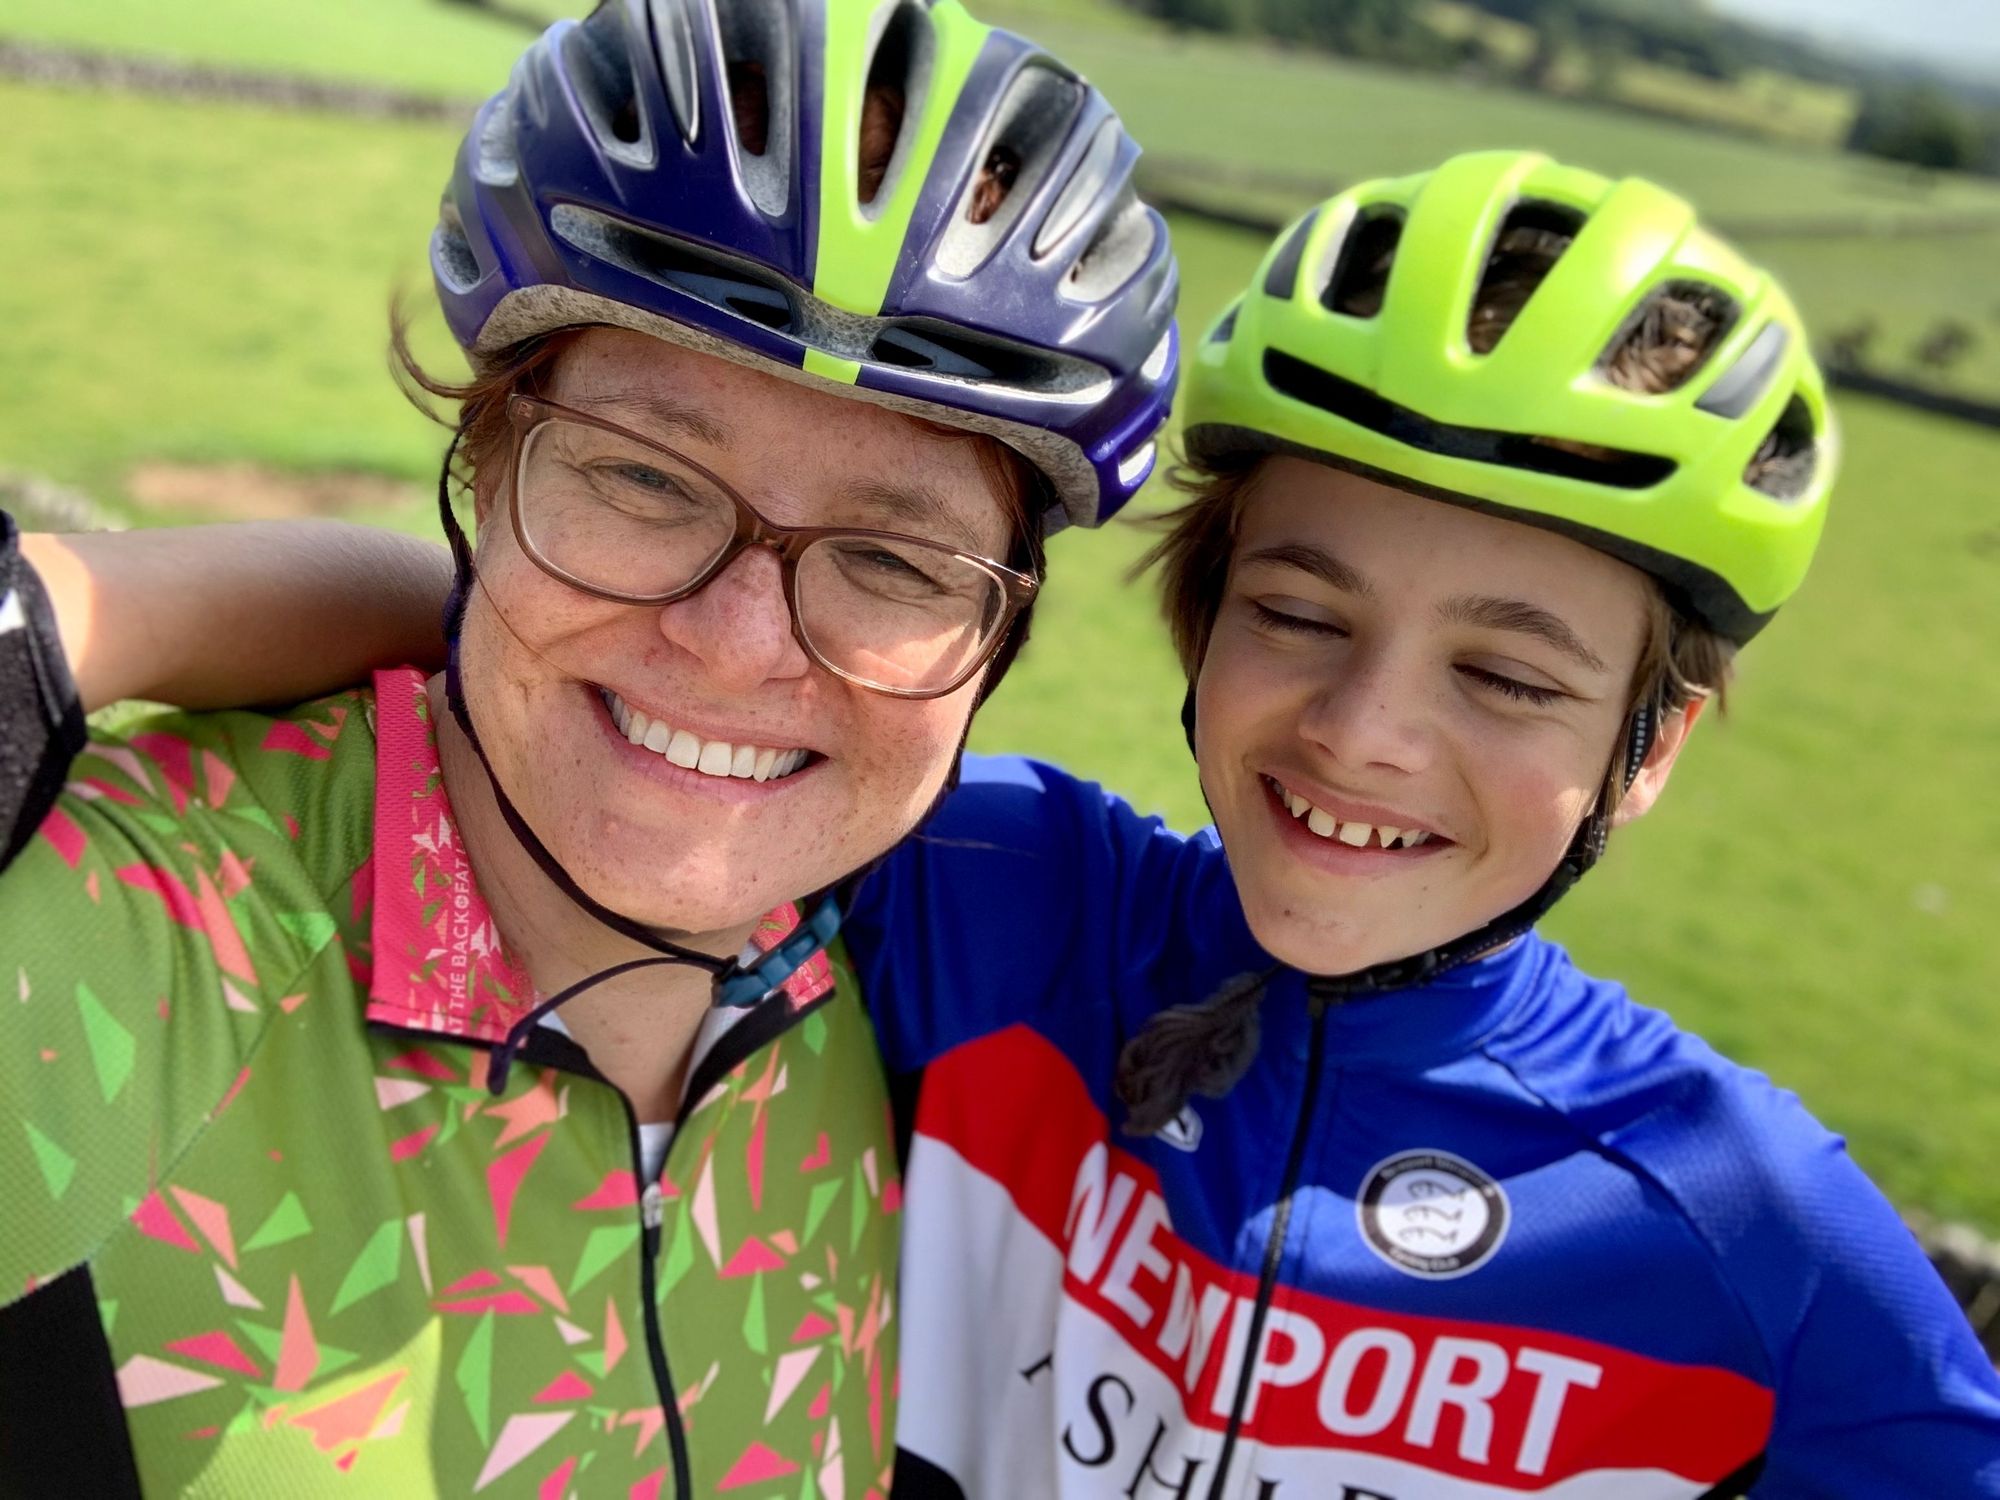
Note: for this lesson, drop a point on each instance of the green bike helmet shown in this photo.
(1324, 358)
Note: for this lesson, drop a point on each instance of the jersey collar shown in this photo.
(439, 962)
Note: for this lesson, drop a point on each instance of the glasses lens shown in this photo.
(615, 513)
(897, 613)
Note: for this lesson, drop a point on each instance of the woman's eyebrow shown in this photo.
(660, 413)
(912, 505)
(1322, 564)
(1521, 617)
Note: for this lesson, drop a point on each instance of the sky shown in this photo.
(1963, 35)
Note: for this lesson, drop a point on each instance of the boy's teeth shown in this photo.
(709, 757)
(1354, 835)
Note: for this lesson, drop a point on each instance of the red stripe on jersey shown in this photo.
(1507, 1405)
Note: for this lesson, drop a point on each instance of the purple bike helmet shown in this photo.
(611, 183)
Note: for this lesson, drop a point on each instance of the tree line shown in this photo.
(1901, 117)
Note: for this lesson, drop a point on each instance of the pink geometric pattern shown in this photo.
(341, 1251)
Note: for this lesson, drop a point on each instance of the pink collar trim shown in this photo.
(439, 963)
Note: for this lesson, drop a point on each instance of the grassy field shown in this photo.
(1758, 103)
(1299, 112)
(1905, 284)
(414, 44)
(200, 282)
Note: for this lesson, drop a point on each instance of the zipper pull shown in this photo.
(650, 1210)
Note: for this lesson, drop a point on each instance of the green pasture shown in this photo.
(1233, 105)
(201, 282)
(1905, 284)
(424, 45)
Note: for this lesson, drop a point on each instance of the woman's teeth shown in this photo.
(710, 757)
(1355, 835)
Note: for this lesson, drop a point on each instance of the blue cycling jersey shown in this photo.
(1507, 1234)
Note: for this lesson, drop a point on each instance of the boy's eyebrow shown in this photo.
(913, 505)
(1322, 564)
(1490, 613)
(658, 411)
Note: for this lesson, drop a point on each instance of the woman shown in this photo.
(1314, 1171)
(436, 1088)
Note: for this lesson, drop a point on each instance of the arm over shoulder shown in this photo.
(1028, 890)
(148, 931)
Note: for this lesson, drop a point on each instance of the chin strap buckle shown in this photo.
(748, 985)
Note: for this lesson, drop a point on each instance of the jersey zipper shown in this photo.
(650, 1215)
(1274, 1248)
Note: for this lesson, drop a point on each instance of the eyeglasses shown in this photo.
(621, 517)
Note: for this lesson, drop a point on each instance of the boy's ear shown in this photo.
(1659, 763)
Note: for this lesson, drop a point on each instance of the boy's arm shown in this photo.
(1884, 1394)
(258, 612)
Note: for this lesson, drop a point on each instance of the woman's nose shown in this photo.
(739, 624)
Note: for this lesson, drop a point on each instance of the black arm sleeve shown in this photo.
(41, 721)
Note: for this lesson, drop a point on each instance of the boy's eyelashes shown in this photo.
(1295, 619)
(1302, 620)
(1513, 687)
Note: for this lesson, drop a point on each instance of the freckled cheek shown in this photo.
(899, 752)
(1530, 811)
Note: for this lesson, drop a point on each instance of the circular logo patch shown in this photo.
(1432, 1214)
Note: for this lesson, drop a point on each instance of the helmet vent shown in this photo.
(997, 176)
(495, 162)
(1784, 462)
(1743, 384)
(1283, 277)
(598, 59)
(759, 67)
(673, 42)
(750, 101)
(938, 348)
(1023, 139)
(1665, 343)
(451, 253)
(898, 76)
(1225, 329)
(1118, 251)
(1354, 403)
(1360, 277)
(721, 281)
(1531, 240)
(1088, 187)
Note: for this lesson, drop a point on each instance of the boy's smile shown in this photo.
(1405, 711)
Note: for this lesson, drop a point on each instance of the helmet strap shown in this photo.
(1207, 1046)
(733, 984)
